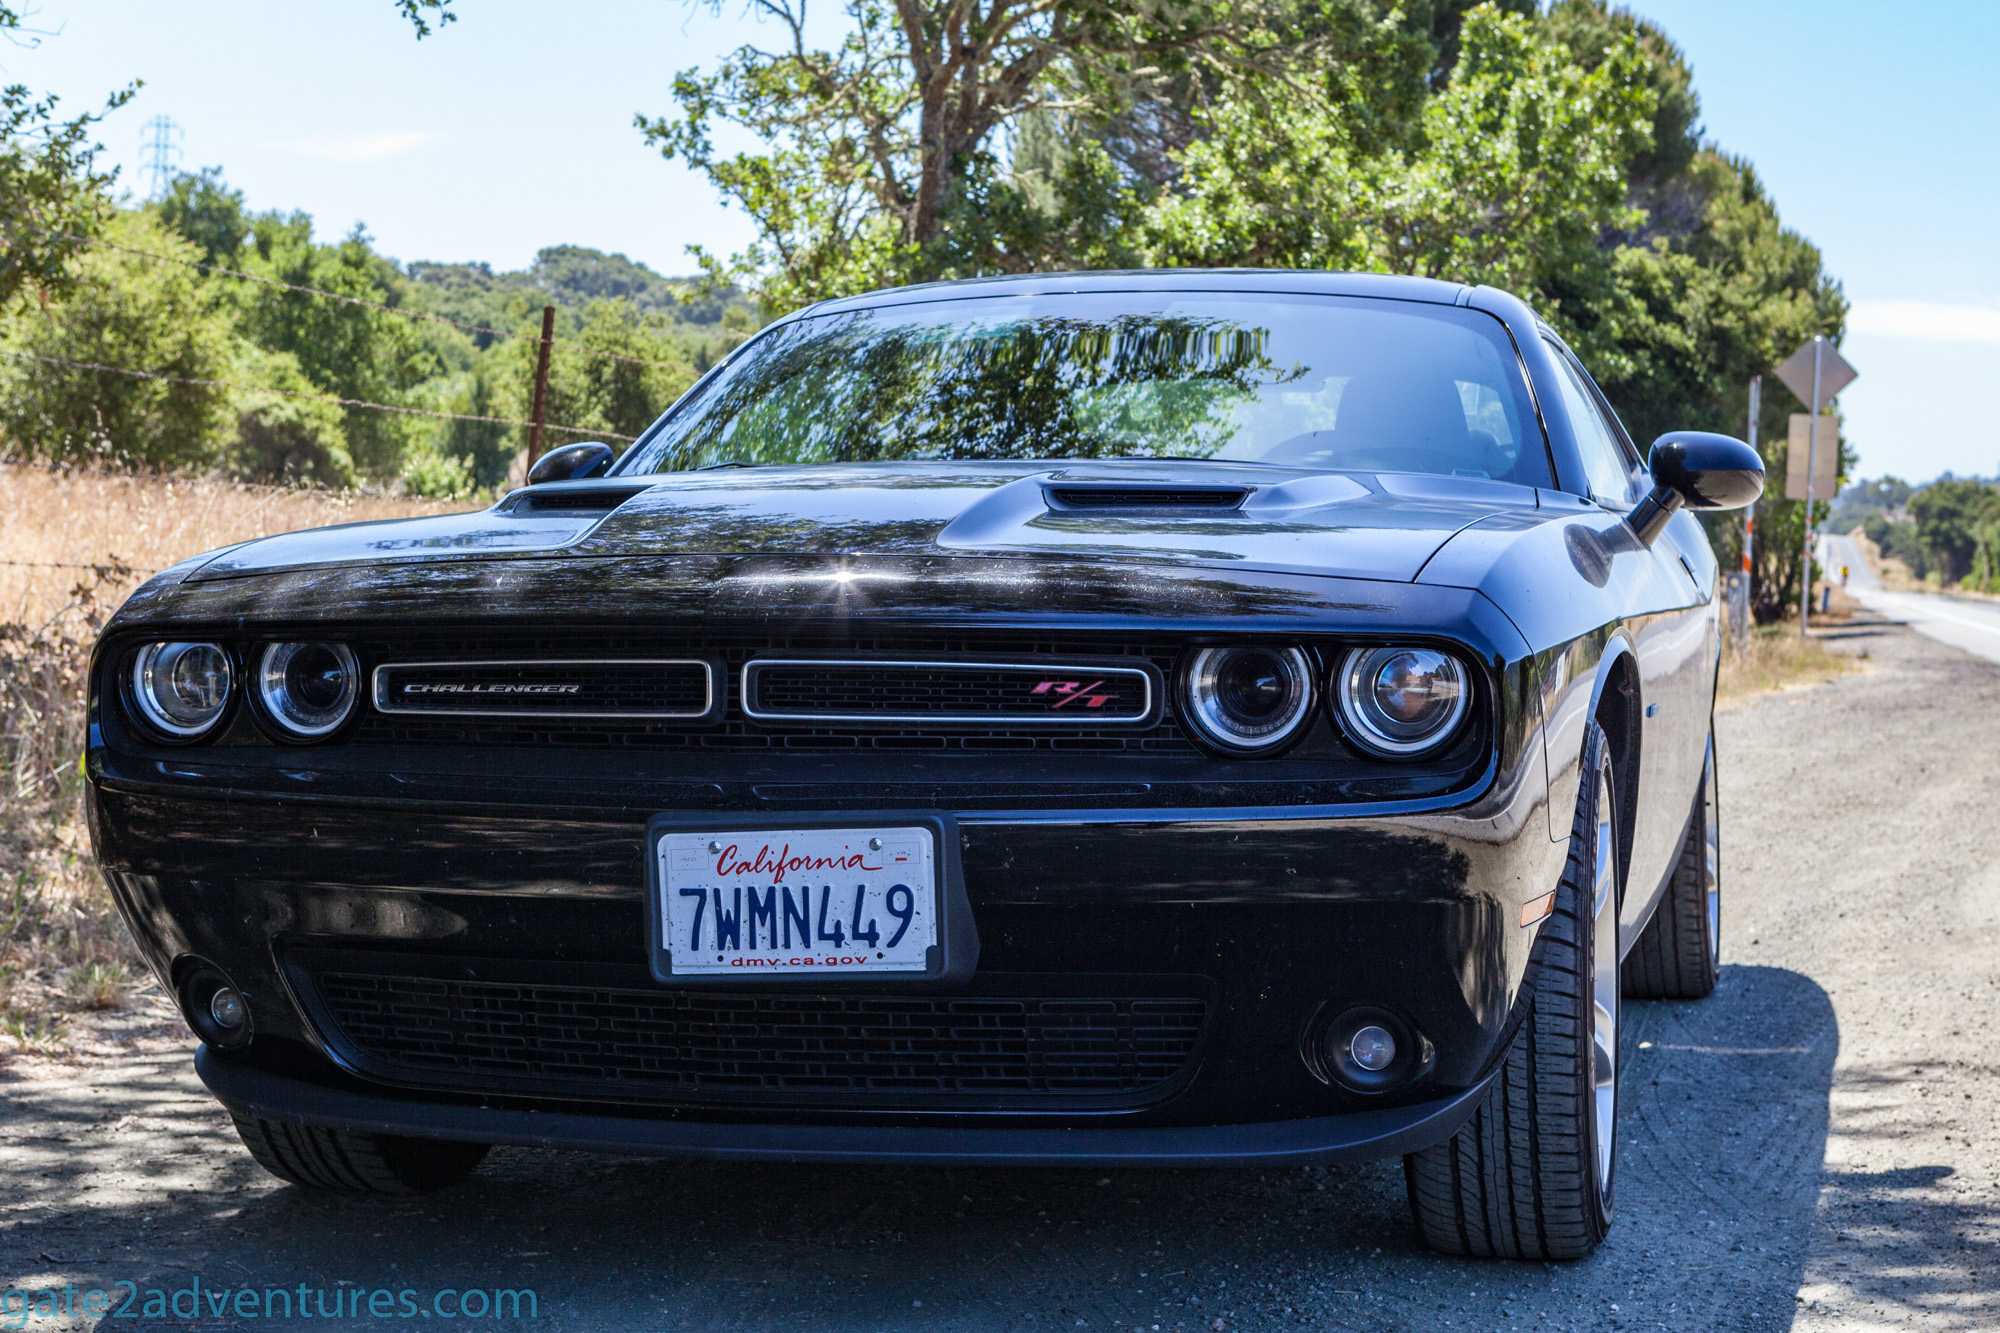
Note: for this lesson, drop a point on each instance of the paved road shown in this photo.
(1962, 622)
(1812, 1148)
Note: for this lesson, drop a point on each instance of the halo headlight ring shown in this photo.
(1248, 699)
(1400, 701)
(178, 690)
(306, 690)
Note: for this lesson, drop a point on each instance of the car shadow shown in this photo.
(1723, 1133)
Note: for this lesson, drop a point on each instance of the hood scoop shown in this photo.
(1122, 495)
(588, 497)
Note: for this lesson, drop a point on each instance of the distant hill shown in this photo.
(566, 276)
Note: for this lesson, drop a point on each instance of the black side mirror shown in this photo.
(572, 462)
(1698, 470)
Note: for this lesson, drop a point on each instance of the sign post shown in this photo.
(1750, 511)
(1816, 374)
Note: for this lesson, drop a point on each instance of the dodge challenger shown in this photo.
(1174, 718)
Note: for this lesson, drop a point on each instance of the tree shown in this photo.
(119, 310)
(871, 147)
(1509, 174)
(202, 207)
(347, 350)
(52, 196)
(285, 436)
(1949, 516)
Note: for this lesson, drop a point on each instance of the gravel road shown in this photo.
(1812, 1148)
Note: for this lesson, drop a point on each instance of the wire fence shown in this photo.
(177, 478)
(314, 397)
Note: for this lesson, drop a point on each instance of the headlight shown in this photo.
(1400, 702)
(1250, 700)
(308, 689)
(180, 689)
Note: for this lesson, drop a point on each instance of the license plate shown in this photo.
(798, 902)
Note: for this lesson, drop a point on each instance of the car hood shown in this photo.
(1354, 525)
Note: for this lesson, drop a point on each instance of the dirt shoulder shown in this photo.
(1813, 1147)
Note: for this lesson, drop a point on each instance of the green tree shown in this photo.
(1949, 515)
(202, 207)
(286, 436)
(1508, 176)
(348, 350)
(870, 147)
(53, 197)
(122, 311)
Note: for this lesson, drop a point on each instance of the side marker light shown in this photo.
(1536, 908)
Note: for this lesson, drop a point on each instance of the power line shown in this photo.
(313, 397)
(577, 347)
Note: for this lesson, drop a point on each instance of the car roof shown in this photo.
(1308, 282)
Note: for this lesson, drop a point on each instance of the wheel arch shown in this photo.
(1618, 709)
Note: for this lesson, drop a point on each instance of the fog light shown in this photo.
(1373, 1048)
(215, 1008)
(226, 1008)
(1365, 1049)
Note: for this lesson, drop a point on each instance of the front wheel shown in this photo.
(1679, 955)
(1530, 1175)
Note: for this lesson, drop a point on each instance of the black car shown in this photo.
(1179, 718)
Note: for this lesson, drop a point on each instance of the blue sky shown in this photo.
(1874, 126)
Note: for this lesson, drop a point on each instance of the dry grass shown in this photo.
(72, 546)
(1777, 658)
(59, 526)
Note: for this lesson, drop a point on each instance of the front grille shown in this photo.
(1161, 737)
(1014, 1042)
(626, 689)
(1061, 694)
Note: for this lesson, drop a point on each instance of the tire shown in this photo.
(354, 1162)
(1530, 1176)
(1679, 956)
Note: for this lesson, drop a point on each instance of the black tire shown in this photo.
(1679, 956)
(354, 1162)
(1530, 1176)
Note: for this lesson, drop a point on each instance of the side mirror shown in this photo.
(1695, 469)
(572, 462)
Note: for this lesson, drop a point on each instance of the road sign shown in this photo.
(1825, 458)
(1816, 374)
(1833, 374)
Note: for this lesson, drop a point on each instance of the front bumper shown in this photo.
(1320, 1141)
(1272, 919)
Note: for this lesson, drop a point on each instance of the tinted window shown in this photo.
(1317, 382)
(1604, 460)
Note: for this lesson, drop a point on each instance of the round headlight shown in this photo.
(308, 689)
(1250, 699)
(1400, 702)
(180, 689)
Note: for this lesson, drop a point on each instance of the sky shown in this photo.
(1874, 126)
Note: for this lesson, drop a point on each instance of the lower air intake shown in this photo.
(652, 1044)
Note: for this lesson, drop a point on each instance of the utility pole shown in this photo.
(536, 416)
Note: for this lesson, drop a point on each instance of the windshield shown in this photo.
(1297, 381)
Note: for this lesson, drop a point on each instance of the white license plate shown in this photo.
(798, 902)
